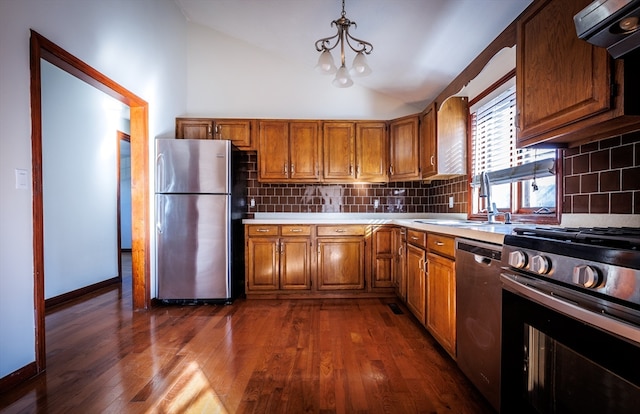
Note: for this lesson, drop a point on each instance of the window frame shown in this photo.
(519, 214)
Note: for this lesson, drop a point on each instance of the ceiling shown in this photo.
(420, 46)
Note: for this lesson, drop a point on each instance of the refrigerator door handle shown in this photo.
(160, 172)
(159, 214)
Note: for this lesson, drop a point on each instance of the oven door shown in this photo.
(558, 357)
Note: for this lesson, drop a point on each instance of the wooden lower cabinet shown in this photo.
(416, 281)
(400, 269)
(441, 296)
(341, 263)
(383, 257)
(278, 263)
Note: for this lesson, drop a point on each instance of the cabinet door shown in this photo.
(428, 140)
(194, 128)
(372, 152)
(263, 263)
(304, 150)
(237, 131)
(400, 269)
(441, 301)
(295, 263)
(404, 164)
(559, 77)
(273, 150)
(416, 281)
(340, 263)
(339, 151)
(452, 137)
(383, 258)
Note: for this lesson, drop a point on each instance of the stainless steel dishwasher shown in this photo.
(479, 304)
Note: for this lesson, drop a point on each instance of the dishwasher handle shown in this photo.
(483, 252)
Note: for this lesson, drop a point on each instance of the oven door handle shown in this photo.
(600, 321)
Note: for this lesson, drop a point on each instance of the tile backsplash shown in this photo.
(603, 177)
(400, 197)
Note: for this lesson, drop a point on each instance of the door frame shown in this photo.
(42, 48)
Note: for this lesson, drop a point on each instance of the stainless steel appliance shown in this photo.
(571, 320)
(198, 220)
(479, 303)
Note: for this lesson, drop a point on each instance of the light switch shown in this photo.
(22, 179)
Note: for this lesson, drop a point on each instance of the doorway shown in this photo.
(43, 49)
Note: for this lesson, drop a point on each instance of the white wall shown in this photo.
(141, 45)
(230, 78)
(79, 185)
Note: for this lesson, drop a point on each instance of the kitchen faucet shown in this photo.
(492, 210)
(485, 191)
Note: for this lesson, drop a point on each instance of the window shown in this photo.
(523, 181)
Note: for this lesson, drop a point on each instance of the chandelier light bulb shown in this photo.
(360, 66)
(325, 63)
(342, 79)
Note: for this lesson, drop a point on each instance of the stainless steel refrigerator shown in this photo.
(198, 218)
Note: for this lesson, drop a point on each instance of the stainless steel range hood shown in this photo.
(613, 24)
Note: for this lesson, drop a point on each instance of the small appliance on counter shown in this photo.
(199, 210)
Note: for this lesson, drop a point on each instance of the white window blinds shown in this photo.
(493, 146)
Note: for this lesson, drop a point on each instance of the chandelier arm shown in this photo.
(325, 43)
(363, 46)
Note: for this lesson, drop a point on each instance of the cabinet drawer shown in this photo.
(350, 230)
(294, 230)
(262, 230)
(417, 238)
(440, 244)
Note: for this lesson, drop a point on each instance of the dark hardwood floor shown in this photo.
(257, 356)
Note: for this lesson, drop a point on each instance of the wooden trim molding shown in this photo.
(65, 297)
(17, 377)
(42, 48)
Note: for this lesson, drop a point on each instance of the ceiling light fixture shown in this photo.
(359, 67)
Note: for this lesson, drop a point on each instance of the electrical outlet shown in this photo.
(450, 201)
(376, 203)
(252, 202)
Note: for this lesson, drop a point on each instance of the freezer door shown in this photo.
(193, 242)
(193, 166)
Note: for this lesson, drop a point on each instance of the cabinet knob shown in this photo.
(295, 230)
(293, 169)
(263, 230)
(340, 230)
(439, 243)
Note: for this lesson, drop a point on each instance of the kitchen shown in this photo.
(581, 201)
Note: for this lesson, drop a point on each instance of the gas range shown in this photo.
(600, 262)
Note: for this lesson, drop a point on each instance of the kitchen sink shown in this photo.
(446, 222)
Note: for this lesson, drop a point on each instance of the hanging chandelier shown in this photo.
(359, 67)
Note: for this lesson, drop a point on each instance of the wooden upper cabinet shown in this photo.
(372, 152)
(339, 151)
(304, 151)
(238, 131)
(428, 141)
(289, 151)
(451, 135)
(564, 85)
(194, 128)
(273, 150)
(404, 163)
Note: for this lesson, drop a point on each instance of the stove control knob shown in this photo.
(540, 264)
(518, 259)
(587, 276)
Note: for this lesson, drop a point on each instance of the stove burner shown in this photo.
(614, 237)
